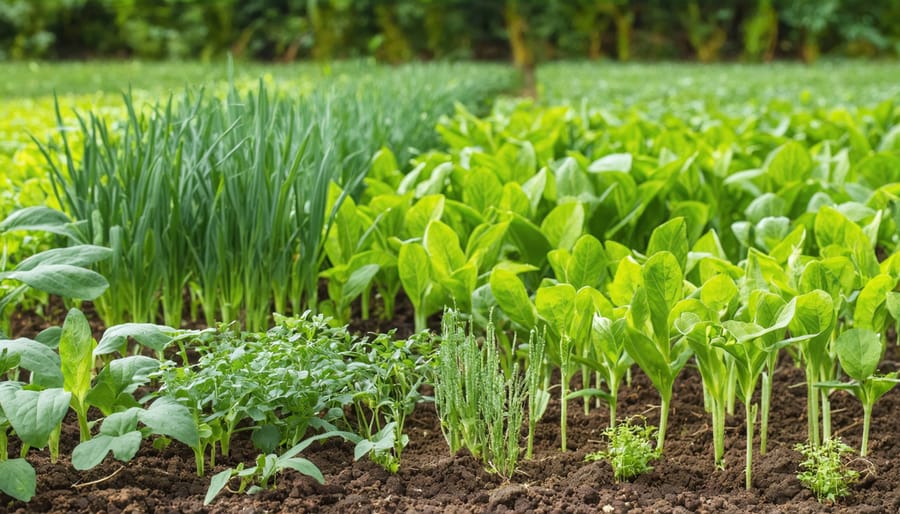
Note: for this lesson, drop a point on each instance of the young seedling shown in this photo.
(824, 471)
(629, 450)
(860, 351)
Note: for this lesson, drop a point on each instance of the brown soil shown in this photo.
(432, 480)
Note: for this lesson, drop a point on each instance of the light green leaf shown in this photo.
(563, 225)
(859, 351)
(18, 479)
(587, 266)
(414, 269)
(442, 245)
(870, 309)
(664, 283)
(612, 162)
(76, 353)
(671, 236)
(556, 305)
(41, 361)
(512, 297)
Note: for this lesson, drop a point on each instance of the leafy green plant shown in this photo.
(629, 449)
(860, 351)
(120, 435)
(824, 471)
(267, 468)
(60, 271)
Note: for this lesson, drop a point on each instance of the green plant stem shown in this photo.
(199, 458)
(421, 321)
(563, 410)
(812, 405)
(750, 411)
(766, 395)
(826, 416)
(663, 421)
(54, 444)
(4, 445)
(867, 421)
(83, 427)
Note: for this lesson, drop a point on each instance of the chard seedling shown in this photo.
(648, 339)
(751, 345)
(609, 359)
(860, 351)
(268, 466)
(76, 347)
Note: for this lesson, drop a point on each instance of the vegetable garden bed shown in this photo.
(703, 298)
(432, 480)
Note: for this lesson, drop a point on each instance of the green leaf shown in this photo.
(646, 354)
(859, 351)
(18, 479)
(41, 361)
(789, 162)
(612, 162)
(870, 304)
(33, 414)
(155, 337)
(91, 453)
(80, 255)
(482, 190)
(121, 377)
(556, 305)
(442, 245)
(718, 292)
(893, 305)
(626, 281)
(664, 283)
(512, 297)
(168, 417)
(563, 225)
(216, 484)
(305, 467)
(266, 438)
(61, 279)
(39, 218)
(425, 210)
(832, 228)
(528, 239)
(414, 269)
(358, 281)
(76, 353)
(587, 266)
(671, 236)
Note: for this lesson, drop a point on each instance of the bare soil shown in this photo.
(430, 479)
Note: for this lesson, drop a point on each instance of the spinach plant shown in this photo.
(860, 352)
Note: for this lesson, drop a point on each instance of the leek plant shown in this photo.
(228, 195)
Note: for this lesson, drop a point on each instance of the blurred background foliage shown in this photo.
(401, 30)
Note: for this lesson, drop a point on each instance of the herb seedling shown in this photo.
(629, 450)
(824, 471)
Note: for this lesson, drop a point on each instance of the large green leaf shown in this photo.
(33, 414)
(512, 297)
(41, 361)
(664, 284)
(671, 236)
(442, 245)
(155, 337)
(168, 417)
(587, 266)
(414, 269)
(870, 309)
(556, 305)
(80, 255)
(859, 351)
(61, 279)
(18, 479)
(563, 225)
(38, 218)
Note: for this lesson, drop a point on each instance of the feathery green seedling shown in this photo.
(629, 449)
(824, 471)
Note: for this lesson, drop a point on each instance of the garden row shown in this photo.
(584, 242)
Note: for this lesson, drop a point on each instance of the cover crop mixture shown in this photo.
(587, 243)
